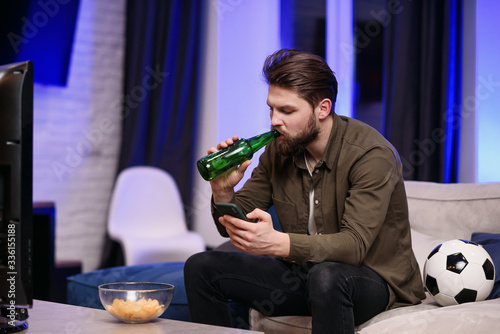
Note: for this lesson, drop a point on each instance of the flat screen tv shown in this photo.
(16, 195)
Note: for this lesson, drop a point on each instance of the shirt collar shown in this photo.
(332, 149)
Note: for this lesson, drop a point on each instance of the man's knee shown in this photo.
(195, 259)
(325, 271)
(206, 263)
(327, 277)
(196, 264)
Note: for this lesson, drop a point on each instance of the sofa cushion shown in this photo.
(303, 324)
(83, 288)
(466, 318)
(491, 243)
(422, 245)
(453, 211)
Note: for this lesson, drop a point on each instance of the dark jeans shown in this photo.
(338, 296)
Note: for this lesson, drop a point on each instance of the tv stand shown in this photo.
(13, 321)
(49, 275)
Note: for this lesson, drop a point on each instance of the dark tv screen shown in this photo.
(16, 194)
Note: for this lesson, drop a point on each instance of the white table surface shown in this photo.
(54, 318)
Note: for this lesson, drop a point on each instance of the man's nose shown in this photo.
(275, 119)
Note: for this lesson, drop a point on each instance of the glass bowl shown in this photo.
(136, 302)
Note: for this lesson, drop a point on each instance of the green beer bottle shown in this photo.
(218, 162)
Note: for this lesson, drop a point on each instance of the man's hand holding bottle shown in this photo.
(223, 185)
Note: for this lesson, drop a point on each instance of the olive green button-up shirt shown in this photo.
(360, 206)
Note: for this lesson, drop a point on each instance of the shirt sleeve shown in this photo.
(256, 193)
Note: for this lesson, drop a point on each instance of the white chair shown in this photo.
(147, 218)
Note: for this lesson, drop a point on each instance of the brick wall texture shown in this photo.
(77, 133)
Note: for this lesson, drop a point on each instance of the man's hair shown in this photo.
(307, 74)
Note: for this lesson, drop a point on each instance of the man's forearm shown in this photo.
(283, 245)
(223, 197)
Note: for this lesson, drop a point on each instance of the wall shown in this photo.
(487, 93)
(240, 35)
(340, 52)
(468, 129)
(77, 131)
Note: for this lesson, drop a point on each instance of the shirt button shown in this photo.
(316, 171)
(316, 201)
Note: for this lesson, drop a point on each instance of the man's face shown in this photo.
(294, 118)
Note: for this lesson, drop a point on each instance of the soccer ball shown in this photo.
(459, 271)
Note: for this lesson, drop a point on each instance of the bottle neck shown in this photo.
(259, 141)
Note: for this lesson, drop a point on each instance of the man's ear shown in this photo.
(324, 107)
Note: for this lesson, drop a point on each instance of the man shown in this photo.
(344, 253)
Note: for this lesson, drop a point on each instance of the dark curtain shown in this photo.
(162, 66)
(422, 95)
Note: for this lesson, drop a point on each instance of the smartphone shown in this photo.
(232, 210)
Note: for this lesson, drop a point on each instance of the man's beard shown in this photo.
(288, 147)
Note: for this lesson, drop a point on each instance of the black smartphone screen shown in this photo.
(230, 209)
